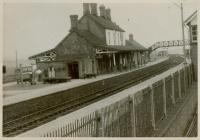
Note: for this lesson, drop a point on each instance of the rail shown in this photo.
(123, 114)
(42, 116)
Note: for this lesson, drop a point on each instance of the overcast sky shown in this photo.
(33, 28)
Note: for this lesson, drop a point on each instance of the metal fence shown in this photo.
(136, 115)
(143, 112)
(112, 121)
(158, 100)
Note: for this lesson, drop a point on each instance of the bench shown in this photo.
(89, 75)
(56, 80)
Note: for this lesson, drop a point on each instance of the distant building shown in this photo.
(163, 53)
(191, 22)
(94, 45)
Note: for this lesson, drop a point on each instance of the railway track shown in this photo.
(30, 121)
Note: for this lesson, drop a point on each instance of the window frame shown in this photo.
(193, 33)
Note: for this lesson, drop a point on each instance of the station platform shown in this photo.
(14, 93)
(180, 116)
(99, 105)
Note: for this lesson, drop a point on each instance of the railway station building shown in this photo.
(94, 45)
(191, 22)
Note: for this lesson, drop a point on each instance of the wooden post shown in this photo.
(132, 116)
(99, 131)
(173, 89)
(114, 61)
(179, 84)
(120, 62)
(130, 61)
(152, 108)
(185, 84)
(138, 54)
(136, 60)
(110, 64)
(21, 75)
(164, 98)
(190, 72)
(188, 76)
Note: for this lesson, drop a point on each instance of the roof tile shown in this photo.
(106, 23)
(134, 44)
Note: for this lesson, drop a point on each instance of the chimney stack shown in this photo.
(86, 8)
(108, 15)
(74, 21)
(130, 37)
(93, 8)
(102, 10)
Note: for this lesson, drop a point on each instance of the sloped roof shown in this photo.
(99, 43)
(43, 53)
(108, 24)
(194, 14)
(135, 45)
(89, 37)
(130, 45)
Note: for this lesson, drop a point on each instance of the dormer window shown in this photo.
(114, 37)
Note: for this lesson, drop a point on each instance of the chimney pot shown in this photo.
(74, 21)
(93, 8)
(130, 37)
(108, 15)
(86, 8)
(102, 11)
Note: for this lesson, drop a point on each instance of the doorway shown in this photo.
(73, 70)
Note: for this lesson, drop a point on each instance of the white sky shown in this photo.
(33, 28)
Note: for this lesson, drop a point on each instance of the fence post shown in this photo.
(189, 76)
(132, 116)
(185, 84)
(179, 84)
(164, 98)
(173, 98)
(99, 131)
(191, 73)
(192, 69)
(152, 108)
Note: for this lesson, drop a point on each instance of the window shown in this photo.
(108, 38)
(194, 33)
(121, 37)
(114, 37)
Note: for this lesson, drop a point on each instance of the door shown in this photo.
(73, 70)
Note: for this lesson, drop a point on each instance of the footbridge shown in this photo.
(166, 44)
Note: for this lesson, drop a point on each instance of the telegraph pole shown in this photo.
(183, 33)
(16, 59)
